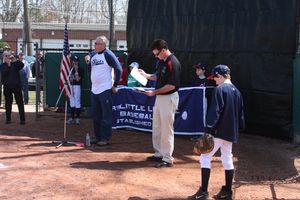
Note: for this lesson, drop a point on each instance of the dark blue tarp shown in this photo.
(255, 38)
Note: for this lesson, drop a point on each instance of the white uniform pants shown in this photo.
(226, 155)
(75, 96)
(162, 127)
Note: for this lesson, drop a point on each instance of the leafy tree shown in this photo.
(3, 44)
(36, 15)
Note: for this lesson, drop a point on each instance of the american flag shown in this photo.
(65, 66)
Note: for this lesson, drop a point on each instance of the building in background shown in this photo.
(49, 36)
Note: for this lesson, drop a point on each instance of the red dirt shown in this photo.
(34, 169)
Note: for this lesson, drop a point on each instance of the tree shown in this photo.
(10, 10)
(27, 37)
(76, 11)
(3, 44)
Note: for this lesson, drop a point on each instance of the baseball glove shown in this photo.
(204, 144)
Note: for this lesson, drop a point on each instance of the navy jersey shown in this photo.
(73, 77)
(199, 82)
(225, 117)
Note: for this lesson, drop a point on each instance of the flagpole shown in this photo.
(65, 72)
(65, 124)
(61, 92)
(56, 104)
(64, 141)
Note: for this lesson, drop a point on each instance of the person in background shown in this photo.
(24, 76)
(131, 82)
(38, 73)
(75, 98)
(166, 103)
(12, 85)
(103, 61)
(200, 79)
(225, 118)
(40, 64)
(5, 48)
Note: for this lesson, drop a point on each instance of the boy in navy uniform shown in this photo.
(75, 98)
(224, 119)
(200, 79)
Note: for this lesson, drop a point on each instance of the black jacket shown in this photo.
(10, 76)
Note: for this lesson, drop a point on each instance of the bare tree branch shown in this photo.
(76, 11)
(10, 10)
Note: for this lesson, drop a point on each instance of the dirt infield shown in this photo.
(32, 168)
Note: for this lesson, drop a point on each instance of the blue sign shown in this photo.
(132, 109)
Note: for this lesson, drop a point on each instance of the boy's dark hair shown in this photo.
(159, 44)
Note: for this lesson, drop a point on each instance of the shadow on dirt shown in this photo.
(265, 161)
(139, 198)
(257, 159)
(108, 165)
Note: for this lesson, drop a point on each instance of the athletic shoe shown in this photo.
(70, 121)
(154, 159)
(223, 194)
(77, 121)
(164, 164)
(200, 195)
(102, 143)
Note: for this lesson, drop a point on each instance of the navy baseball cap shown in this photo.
(199, 66)
(219, 69)
(75, 58)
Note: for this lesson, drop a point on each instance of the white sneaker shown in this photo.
(102, 143)
(77, 121)
(70, 121)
